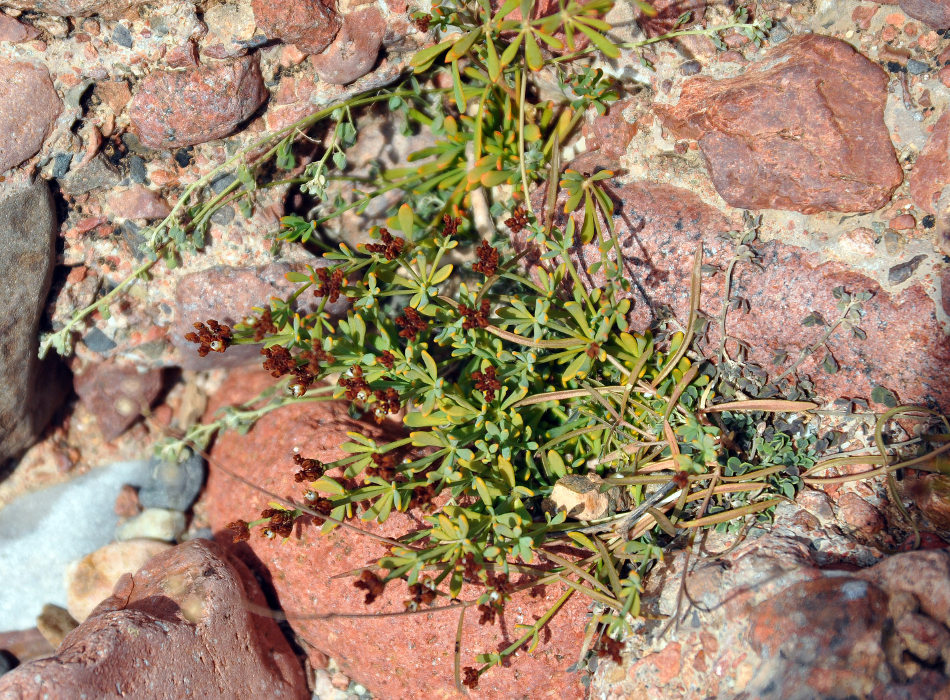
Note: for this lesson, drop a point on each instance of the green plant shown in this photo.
(516, 393)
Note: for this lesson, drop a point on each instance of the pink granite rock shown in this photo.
(660, 228)
(14, 31)
(410, 659)
(791, 134)
(110, 9)
(186, 107)
(308, 24)
(138, 202)
(355, 49)
(117, 394)
(935, 13)
(28, 107)
(182, 626)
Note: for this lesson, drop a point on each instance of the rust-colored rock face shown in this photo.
(792, 133)
(110, 9)
(935, 13)
(354, 51)
(403, 657)
(660, 228)
(931, 174)
(28, 107)
(182, 108)
(308, 24)
(179, 627)
(768, 624)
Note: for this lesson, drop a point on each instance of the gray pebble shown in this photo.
(915, 67)
(122, 36)
(171, 485)
(219, 184)
(61, 163)
(893, 242)
(690, 68)
(97, 341)
(223, 216)
(779, 33)
(137, 170)
(901, 273)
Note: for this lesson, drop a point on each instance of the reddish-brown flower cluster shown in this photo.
(314, 357)
(357, 388)
(422, 497)
(372, 584)
(475, 318)
(264, 326)
(470, 677)
(279, 361)
(518, 221)
(502, 589)
(471, 567)
(310, 469)
(487, 259)
(384, 466)
(681, 479)
(241, 531)
(422, 23)
(390, 248)
(321, 505)
(487, 383)
(450, 225)
(281, 522)
(213, 337)
(593, 350)
(610, 648)
(420, 594)
(387, 359)
(386, 402)
(331, 281)
(411, 323)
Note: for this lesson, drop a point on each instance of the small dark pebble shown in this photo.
(915, 67)
(779, 33)
(901, 273)
(928, 221)
(223, 216)
(690, 68)
(894, 67)
(8, 661)
(122, 36)
(137, 170)
(97, 341)
(61, 163)
(183, 157)
(173, 486)
(219, 184)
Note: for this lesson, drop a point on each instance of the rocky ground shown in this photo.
(836, 131)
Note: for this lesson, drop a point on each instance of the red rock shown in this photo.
(944, 76)
(355, 49)
(410, 659)
(610, 133)
(228, 295)
(15, 32)
(308, 24)
(931, 494)
(117, 394)
(28, 107)
(930, 582)
(26, 645)
(935, 13)
(127, 502)
(109, 9)
(667, 13)
(114, 93)
(862, 15)
(774, 139)
(660, 227)
(186, 612)
(138, 202)
(860, 514)
(931, 173)
(183, 56)
(182, 108)
(904, 222)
